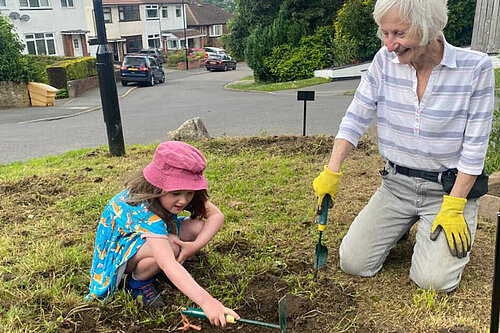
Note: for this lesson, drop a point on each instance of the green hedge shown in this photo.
(355, 32)
(73, 69)
(288, 63)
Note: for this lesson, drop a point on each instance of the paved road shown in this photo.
(149, 112)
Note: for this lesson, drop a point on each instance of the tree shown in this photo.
(227, 5)
(249, 14)
(13, 65)
(461, 13)
(355, 32)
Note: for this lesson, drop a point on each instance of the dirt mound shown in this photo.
(282, 144)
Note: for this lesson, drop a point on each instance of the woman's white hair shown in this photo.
(427, 18)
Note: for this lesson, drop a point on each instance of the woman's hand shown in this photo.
(187, 250)
(216, 312)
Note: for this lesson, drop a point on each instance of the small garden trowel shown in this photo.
(198, 313)
(321, 253)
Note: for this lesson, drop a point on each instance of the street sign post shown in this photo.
(305, 95)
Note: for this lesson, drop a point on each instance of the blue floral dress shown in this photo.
(122, 230)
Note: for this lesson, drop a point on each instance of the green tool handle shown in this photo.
(198, 313)
(323, 213)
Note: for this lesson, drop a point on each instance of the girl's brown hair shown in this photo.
(140, 190)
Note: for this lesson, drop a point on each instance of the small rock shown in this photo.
(8, 277)
(192, 130)
(489, 205)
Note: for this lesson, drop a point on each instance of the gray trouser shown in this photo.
(396, 205)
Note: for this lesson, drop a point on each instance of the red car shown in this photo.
(193, 53)
(222, 62)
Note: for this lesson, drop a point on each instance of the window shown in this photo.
(66, 3)
(151, 12)
(34, 3)
(2, 3)
(76, 44)
(41, 44)
(129, 13)
(107, 14)
(216, 30)
(177, 10)
(172, 44)
(154, 41)
(164, 12)
(134, 44)
(203, 30)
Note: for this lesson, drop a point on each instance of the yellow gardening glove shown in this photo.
(326, 183)
(451, 219)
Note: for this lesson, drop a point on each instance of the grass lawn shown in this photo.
(497, 82)
(256, 86)
(49, 211)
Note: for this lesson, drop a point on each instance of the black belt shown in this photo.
(427, 175)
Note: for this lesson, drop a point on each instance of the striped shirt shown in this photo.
(448, 128)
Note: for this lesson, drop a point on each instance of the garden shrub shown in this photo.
(72, 69)
(288, 63)
(39, 64)
(355, 32)
(175, 57)
(62, 93)
(262, 40)
(259, 46)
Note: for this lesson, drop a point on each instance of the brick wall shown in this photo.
(192, 64)
(13, 95)
(78, 87)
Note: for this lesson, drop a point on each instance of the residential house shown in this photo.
(132, 25)
(209, 20)
(49, 27)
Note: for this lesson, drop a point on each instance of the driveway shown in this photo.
(149, 112)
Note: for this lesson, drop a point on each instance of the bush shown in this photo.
(288, 63)
(355, 32)
(262, 40)
(73, 69)
(461, 13)
(175, 57)
(39, 63)
(62, 93)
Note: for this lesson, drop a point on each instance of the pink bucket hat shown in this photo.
(177, 166)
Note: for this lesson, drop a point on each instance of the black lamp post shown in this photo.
(107, 86)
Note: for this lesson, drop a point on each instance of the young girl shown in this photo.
(140, 234)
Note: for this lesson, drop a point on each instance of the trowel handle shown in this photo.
(323, 213)
(198, 313)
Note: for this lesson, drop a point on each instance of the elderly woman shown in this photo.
(433, 103)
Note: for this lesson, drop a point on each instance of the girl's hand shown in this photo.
(216, 312)
(187, 250)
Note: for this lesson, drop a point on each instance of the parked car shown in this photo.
(213, 51)
(141, 68)
(155, 53)
(221, 62)
(193, 53)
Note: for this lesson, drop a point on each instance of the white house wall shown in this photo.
(51, 20)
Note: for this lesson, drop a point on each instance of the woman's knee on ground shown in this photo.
(354, 264)
(438, 281)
